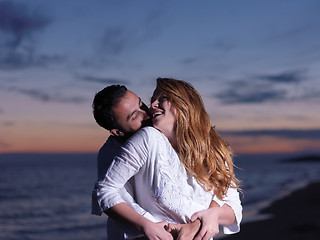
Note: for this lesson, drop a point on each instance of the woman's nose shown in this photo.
(154, 104)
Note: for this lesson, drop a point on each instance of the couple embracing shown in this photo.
(164, 172)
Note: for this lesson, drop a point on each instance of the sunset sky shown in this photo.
(255, 63)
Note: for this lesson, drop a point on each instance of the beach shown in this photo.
(296, 216)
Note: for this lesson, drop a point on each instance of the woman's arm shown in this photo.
(211, 219)
(191, 230)
(227, 213)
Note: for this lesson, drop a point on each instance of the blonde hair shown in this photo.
(202, 151)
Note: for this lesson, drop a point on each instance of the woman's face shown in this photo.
(163, 113)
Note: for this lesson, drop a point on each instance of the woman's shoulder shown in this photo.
(147, 134)
(149, 131)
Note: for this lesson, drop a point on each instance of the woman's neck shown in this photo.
(172, 137)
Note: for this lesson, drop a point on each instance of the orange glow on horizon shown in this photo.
(260, 145)
(91, 139)
(55, 140)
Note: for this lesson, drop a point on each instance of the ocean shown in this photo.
(48, 196)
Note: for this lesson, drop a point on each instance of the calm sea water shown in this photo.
(48, 196)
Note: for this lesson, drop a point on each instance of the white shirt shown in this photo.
(109, 150)
(115, 229)
(163, 188)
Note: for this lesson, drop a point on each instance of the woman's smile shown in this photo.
(163, 113)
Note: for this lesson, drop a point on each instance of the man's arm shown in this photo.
(127, 164)
(125, 214)
(105, 157)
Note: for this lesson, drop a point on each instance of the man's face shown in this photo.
(128, 113)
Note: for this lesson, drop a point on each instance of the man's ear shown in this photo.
(116, 132)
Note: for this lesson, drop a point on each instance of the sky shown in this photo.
(255, 63)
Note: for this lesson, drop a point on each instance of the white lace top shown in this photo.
(163, 188)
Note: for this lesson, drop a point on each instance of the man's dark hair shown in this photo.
(103, 102)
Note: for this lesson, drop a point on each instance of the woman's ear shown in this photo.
(116, 132)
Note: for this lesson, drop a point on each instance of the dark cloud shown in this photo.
(188, 61)
(114, 40)
(106, 81)
(287, 77)
(15, 60)
(19, 22)
(45, 97)
(117, 39)
(242, 92)
(264, 88)
(18, 27)
(313, 134)
(223, 45)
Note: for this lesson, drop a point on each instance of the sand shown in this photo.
(296, 216)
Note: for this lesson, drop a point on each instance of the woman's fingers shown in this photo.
(195, 216)
(207, 233)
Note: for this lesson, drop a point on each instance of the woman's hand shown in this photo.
(209, 223)
(212, 218)
(156, 231)
(184, 231)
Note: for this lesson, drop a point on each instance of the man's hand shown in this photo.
(184, 231)
(157, 231)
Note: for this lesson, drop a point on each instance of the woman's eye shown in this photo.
(162, 99)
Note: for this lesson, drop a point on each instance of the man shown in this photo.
(120, 111)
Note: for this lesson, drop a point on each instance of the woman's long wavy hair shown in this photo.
(202, 151)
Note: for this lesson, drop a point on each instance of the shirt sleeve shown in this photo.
(127, 194)
(106, 154)
(130, 160)
(232, 199)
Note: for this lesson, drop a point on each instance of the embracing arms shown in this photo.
(205, 224)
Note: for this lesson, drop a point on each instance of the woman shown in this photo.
(172, 190)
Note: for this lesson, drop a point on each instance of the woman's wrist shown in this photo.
(225, 215)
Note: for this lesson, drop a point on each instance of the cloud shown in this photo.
(18, 27)
(106, 81)
(117, 39)
(19, 22)
(45, 97)
(287, 77)
(311, 95)
(114, 40)
(263, 88)
(187, 61)
(251, 94)
(14, 60)
(312, 134)
(224, 45)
